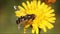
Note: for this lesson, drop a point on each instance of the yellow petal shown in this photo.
(28, 5)
(37, 31)
(49, 15)
(47, 24)
(21, 8)
(52, 19)
(33, 30)
(43, 27)
(17, 13)
(51, 11)
(39, 3)
(24, 5)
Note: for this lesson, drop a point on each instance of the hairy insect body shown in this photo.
(25, 21)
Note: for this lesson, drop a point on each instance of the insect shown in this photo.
(25, 20)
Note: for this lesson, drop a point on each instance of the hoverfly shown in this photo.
(25, 20)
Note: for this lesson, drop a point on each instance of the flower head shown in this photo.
(44, 15)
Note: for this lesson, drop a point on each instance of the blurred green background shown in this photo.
(8, 19)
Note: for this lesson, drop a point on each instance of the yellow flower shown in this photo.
(44, 15)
